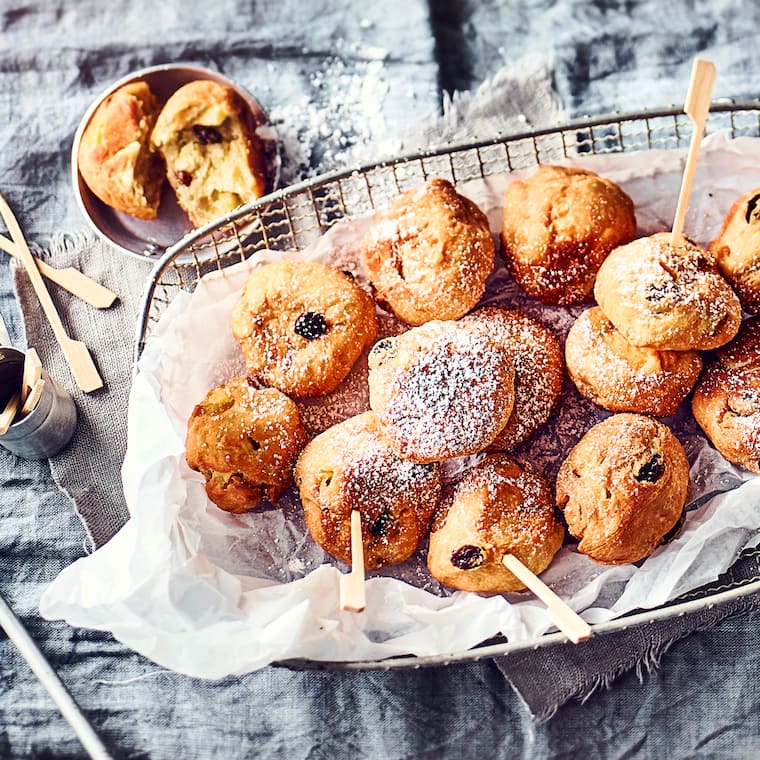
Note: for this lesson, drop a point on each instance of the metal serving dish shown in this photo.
(291, 219)
(150, 238)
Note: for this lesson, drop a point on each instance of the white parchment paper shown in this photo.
(210, 594)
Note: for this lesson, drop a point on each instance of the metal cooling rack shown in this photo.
(292, 218)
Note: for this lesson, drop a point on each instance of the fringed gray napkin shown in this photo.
(89, 469)
(547, 678)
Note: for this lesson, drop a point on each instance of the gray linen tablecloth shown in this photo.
(340, 86)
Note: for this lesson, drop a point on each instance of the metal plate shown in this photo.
(150, 238)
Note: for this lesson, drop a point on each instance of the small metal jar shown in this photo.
(46, 430)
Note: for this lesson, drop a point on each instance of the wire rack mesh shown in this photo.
(293, 218)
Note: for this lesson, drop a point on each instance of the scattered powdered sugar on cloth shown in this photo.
(209, 593)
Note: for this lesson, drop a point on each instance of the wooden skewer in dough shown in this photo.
(567, 620)
(697, 107)
(352, 593)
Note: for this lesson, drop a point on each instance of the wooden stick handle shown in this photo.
(69, 278)
(567, 620)
(32, 398)
(76, 353)
(352, 593)
(32, 373)
(9, 413)
(697, 107)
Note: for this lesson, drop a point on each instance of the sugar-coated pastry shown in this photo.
(559, 225)
(539, 370)
(499, 507)
(623, 488)
(214, 159)
(351, 467)
(351, 397)
(737, 248)
(621, 377)
(429, 254)
(245, 441)
(440, 390)
(302, 325)
(726, 401)
(664, 296)
(115, 158)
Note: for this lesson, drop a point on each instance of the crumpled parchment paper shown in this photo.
(210, 594)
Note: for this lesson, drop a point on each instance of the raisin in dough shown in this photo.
(301, 326)
(352, 467)
(623, 488)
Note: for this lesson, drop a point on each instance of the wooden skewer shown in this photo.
(9, 413)
(352, 596)
(32, 398)
(76, 353)
(566, 619)
(69, 278)
(32, 373)
(697, 107)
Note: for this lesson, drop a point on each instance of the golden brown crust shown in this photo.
(539, 370)
(623, 488)
(245, 441)
(115, 158)
(726, 401)
(302, 325)
(214, 159)
(662, 296)
(737, 248)
(621, 377)
(351, 466)
(429, 254)
(559, 225)
(499, 507)
(440, 390)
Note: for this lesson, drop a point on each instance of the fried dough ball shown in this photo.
(440, 390)
(301, 326)
(351, 466)
(115, 157)
(559, 225)
(664, 296)
(621, 377)
(726, 401)
(539, 370)
(429, 254)
(214, 158)
(623, 488)
(245, 441)
(737, 248)
(499, 507)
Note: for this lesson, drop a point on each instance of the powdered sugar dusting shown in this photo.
(539, 369)
(624, 378)
(448, 396)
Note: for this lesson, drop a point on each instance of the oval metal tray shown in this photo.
(292, 218)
